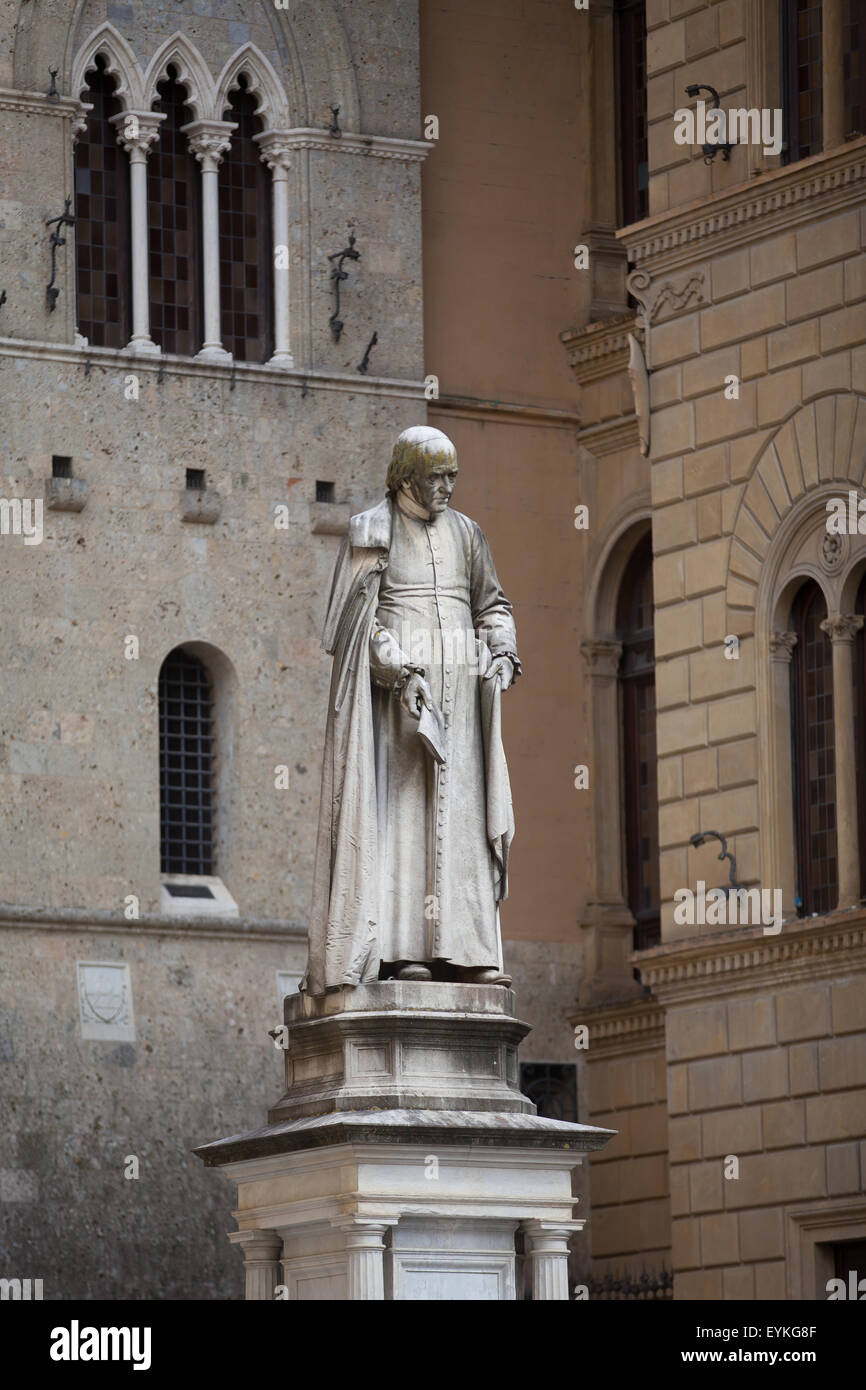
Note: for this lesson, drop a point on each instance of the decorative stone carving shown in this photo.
(637, 375)
(832, 551)
(602, 656)
(105, 1001)
(842, 627)
(782, 646)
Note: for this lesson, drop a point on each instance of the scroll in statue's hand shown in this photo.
(415, 694)
(501, 667)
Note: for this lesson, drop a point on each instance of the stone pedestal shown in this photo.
(402, 1162)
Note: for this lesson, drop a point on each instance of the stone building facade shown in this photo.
(735, 1070)
(599, 318)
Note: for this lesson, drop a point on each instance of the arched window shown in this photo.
(186, 765)
(634, 622)
(174, 228)
(102, 266)
(814, 767)
(245, 239)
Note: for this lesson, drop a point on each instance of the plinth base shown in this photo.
(403, 1163)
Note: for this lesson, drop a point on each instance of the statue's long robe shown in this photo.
(411, 855)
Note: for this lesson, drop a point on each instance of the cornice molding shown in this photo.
(600, 349)
(119, 360)
(506, 412)
(746, 961)
(781, 198)
(621, 1028)
(15, 916)
(611, 436)
(38, 104)
(374, 146)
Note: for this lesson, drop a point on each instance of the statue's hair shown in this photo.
(419, 449)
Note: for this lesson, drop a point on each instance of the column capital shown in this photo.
(550, 1237)
(365, 1232)
(602, 655)
(842, 627)
(275, 150)
(137, 131)
(782, 646)
(209, 141)
(258, 1244)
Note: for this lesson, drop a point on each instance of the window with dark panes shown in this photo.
(631, 75)
(860, 734)
(245, 237)
(186, 749)
(801, 78)
(102, 262)
(813, 755)
(637, 682)
(854, 67)
(552, 1087)
(174, 228)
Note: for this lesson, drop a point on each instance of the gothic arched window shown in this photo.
(102, 266)
(174, 228)
(186, 765)
(245, 241)
(634, 621)
(814, 765)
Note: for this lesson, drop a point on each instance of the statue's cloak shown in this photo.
(345, 945)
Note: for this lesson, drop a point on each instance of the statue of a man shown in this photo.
(415, 820)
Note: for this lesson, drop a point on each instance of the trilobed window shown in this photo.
(174, 227)
(186, 764)
(245, 236)
(102, 267)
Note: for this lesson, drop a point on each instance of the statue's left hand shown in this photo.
(501, 667)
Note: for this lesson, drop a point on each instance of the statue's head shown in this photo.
(424, 464)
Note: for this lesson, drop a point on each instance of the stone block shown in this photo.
(675, 340)
(677, 629)
(685, 1244)
(770, 1281)
(676, 821)
(809, 295)
(795, 344)
(738, 1283)
(665, 47)
(673, 430)
(753, 358)
(765, 1074)
(705, 1187)
(843, 1169)
(715, 1084)
(678, 1089)
(706, 374)
(666, 386)
(675, 527)
(672, 683)
(649, 1129)
(842, 329)
(700, 773)
(842, 1062)
(714, 618)
(751, 1021)
(848, 1001)
(701, 1285)
(762, 1233)
(699, 1032)
(762, 311)
(803, 1013)
(738, 763)
(730, 276)
(827, 239)
(677, 731)
(706, 568)
(803, 1066)
(705, 470)
(827, 374)
(670, 779)
(841, 1115)
(679, 1185)
(709, 522)
(666, 481)
(735, 1131)
(720, 1243)
(784, 1124)
(736, 810)
(732, 718)
(787, 1175)
(773, 258)
(779, 395)
(668, 578)
(855, 279)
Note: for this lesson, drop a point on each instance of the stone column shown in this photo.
(136, 132)
(780, 793)
(275, 151)
(261, 1250)
(547, 1257)
(209, 141)
(365, 1250)
(832, 90)
(842, 629)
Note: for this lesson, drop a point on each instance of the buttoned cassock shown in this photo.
(412, 854)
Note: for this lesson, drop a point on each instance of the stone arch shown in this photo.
(263, 83)
(820, 443)
(121, 64)
(193, 73)
(310, 36)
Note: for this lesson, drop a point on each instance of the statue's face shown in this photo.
(433, 489)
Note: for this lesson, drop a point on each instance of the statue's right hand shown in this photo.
(415, 694)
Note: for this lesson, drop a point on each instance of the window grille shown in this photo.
(552, 1087)
(185, 765)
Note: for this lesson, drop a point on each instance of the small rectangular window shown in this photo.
(324, 491)
(195, 479)
(61, 466)
(552, 1086)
